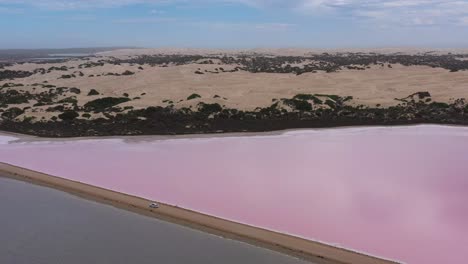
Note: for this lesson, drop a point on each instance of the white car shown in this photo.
(154, 205)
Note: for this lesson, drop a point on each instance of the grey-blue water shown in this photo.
(40, 225)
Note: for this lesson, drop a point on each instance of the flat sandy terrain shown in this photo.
(309, 250)
(243, 90)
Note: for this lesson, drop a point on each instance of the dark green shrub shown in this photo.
(303, 106)
(308, 97)
(14, 97)
(300, 105)
(68, 100)
(75, 90)
(106, 102)
(12, 113)
(193, 96)
(58, 108)
(209, 108)
(93, 92)
(331, 96)
(28, 119)
(439, 105)
(69, 115)
(330, 103)
(127, 72)
(67, 76)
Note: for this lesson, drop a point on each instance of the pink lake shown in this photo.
(400, 193)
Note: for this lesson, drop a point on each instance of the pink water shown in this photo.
(399, 193)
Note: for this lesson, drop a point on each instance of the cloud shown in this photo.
(264, 27)
(146, 20)
(10, 10)
(274, 26)
(156, 12)
(464, 21)
(75, 4)
(398, 12)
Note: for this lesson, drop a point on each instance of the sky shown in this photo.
(234, 23)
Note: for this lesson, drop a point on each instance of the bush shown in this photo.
(67, 76)
(86, 115)
(423, 95)
(75, 90)
(12, 113)
(303, 106)
(127, 72)
(57, 108)
(93, 92)
(330, 103)
(439, 105)
(308, 97)
(193, 96)
(106, 102)
(209, 108)
(14, 97)
(331, 96)
(300, 105)
(68, 100)
(68, 115)
(28, 119)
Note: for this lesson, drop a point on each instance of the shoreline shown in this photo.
(30, 137)
(287, 244)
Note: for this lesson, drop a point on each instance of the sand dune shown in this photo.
(158, 86)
